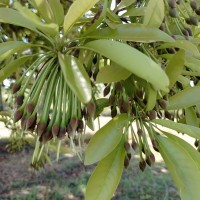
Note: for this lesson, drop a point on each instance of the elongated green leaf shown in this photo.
(154, 13)
(112, 73)
(132, 60)
(192, 63)
(105, 139)
(191, 117)
(125, 3)
(58, 11)
(183, 128)
(175, 67)
(182, 166)
(8, 48)
(188, 97)
(132, 11)
(151, 98)
(106, 176)
(76, 77)
(50, 29)
(44, 9)
(77, 10)
(189, 147)
(131, 32)
(10, 16)
(183, 44)
(12, 67)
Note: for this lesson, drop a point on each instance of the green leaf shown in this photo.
(183, 44)
(191, 117)
(101, 103)
(76, 77)
(192, 63)
(8, 48)
(131, 32)
(105, 139)
(132, 60)
(175, 67)
(124, 4)
(183, 128)
(180, 160)
(58, 11)
(151, 98)
(11, 16)
(44, 9)
(77, 10)
(112, 73)
(12, 67)
(132, 11)
(154, 13)
(106, 176)
(50, 29)
(188, 97)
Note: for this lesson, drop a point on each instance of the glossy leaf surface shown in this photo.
(77, 10)
(188, 97)
(105, 178)
(8, 48)
(12, 67)
(112, 73)
(76, 77)
(175, 67)
(131, 32)
(154, 13)
(132, 60)
(105, 139)
(180, 158)
(183, 128)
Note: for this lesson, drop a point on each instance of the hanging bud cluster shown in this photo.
(184, 15)
(45, 104)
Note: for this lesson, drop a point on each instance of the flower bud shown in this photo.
(163, 103)
(74, 123)
(80, 126)
(106, 90)
(18, 115)
(113, 112)
(91, 108)
(41, 127)
(126, 162)
(134, 145)
(194, 21)
(142, 165)
(30, 107)
(127, 146)
(172, 3)
(194, 5)
(62, 132)
(152, 114)
(173, 13)
(55, 129)
(16, 88)
(19, 100)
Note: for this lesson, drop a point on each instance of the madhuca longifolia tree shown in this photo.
(145, 53)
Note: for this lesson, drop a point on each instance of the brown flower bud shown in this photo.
(55, 129)
(127, 146)
(113, 112)
(134, 145)
(18, 115)
(41, 127)
(152, 114)
(142, 165)
(173, 13)
(19, 100)
(62, 132)
(126, 162)
(172, 3)
(30, 107)
(91, 108)
(194, 5)
(16, 88)
(194, 21)
(163, 103)
(106, 90)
